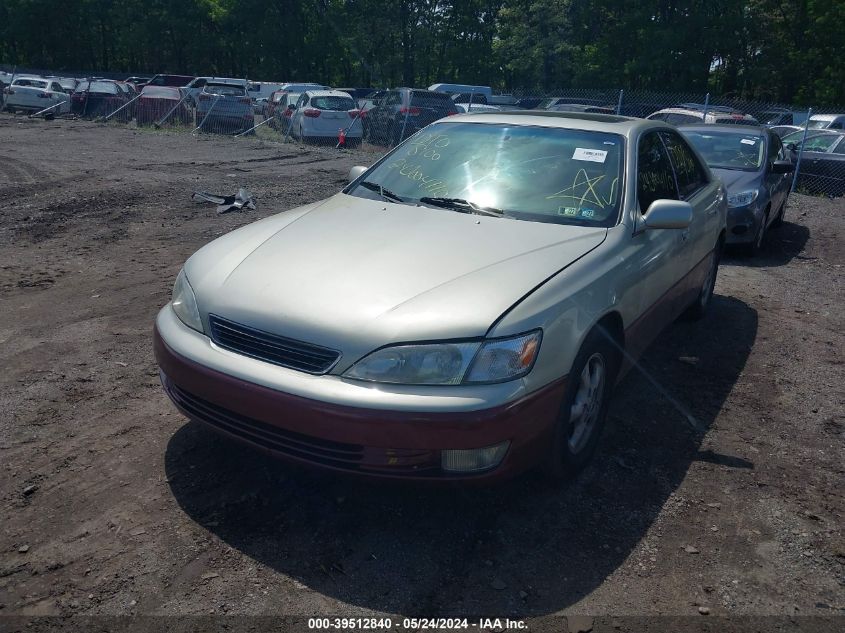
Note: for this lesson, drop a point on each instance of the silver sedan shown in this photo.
(461, 310)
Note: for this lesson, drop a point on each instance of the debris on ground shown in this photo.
(243, 199)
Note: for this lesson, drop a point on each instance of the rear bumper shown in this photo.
(375, 443)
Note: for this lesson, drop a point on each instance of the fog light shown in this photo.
(473, 460)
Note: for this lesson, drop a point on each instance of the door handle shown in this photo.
(685, 235)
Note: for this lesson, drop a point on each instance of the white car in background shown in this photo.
(35, 94)
(322, 114)
(477, 107)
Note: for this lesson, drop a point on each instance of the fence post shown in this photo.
(158, 124)
(619, 103)
(405, 122)
(132, 100)
(207, 114)
(801, 150)
(469, 107)
(706, 105)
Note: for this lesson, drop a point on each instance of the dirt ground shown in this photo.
(112, 503)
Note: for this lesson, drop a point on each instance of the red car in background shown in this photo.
(156, 102)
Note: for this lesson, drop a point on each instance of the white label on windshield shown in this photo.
(748, 141)
(593, 155)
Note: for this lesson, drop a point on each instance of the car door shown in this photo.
(658, 257)
(777, 184)
(382, 115)
(704, 195)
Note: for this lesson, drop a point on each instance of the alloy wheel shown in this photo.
(586, 407)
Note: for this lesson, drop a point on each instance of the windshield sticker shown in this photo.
(583, 190)
(567, 211)
(593, 155)
(588, 213)
(748, 141)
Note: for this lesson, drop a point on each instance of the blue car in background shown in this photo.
(756, 170)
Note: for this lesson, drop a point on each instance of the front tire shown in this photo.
(584, 409)
(705, 296)
(756, 246)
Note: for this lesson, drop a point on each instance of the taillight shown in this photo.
(410, 111)
(355, 114)
(452, 113)
(311, 112)
(288, 113)
(363, 114)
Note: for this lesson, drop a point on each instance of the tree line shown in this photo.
(772, 50)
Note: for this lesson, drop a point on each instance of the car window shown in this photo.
(817, 123)
(775, 148)
(532, 173)
(688, 171)
(840, 148)
(655, 178)
(334, 103)
(393, 98)
(680, 119)
(660, 116)
(821, 143)
(56, 87)
(836, 125)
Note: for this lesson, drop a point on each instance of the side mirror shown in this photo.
(355, 172)
(782, 167)
(668, 214)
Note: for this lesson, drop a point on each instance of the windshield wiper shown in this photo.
(464, 206)
(387, 194)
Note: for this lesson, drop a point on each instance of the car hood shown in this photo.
(355, 274)
(737, 181)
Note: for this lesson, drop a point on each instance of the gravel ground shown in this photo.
(113, 504)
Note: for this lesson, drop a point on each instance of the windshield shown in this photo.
(226, 90)
(103, 87)
(727, 150)
(161, 92)
(333, 103)
(531, 173)
(32, 83)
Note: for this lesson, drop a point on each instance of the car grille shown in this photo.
(340, 455)
(271, 348)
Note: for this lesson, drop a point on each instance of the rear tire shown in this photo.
(584, 409)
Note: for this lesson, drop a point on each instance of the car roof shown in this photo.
(739, 129)
(626, 126)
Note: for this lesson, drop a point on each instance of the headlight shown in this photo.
(185, 303)
(742, 199)
(453, 363)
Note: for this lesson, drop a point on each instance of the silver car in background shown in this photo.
(461, 310)
(224, 108)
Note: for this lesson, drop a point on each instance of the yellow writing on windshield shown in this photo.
(415, 173)
(427, 145)
(583, 189)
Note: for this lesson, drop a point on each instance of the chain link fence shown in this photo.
(812, 138)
